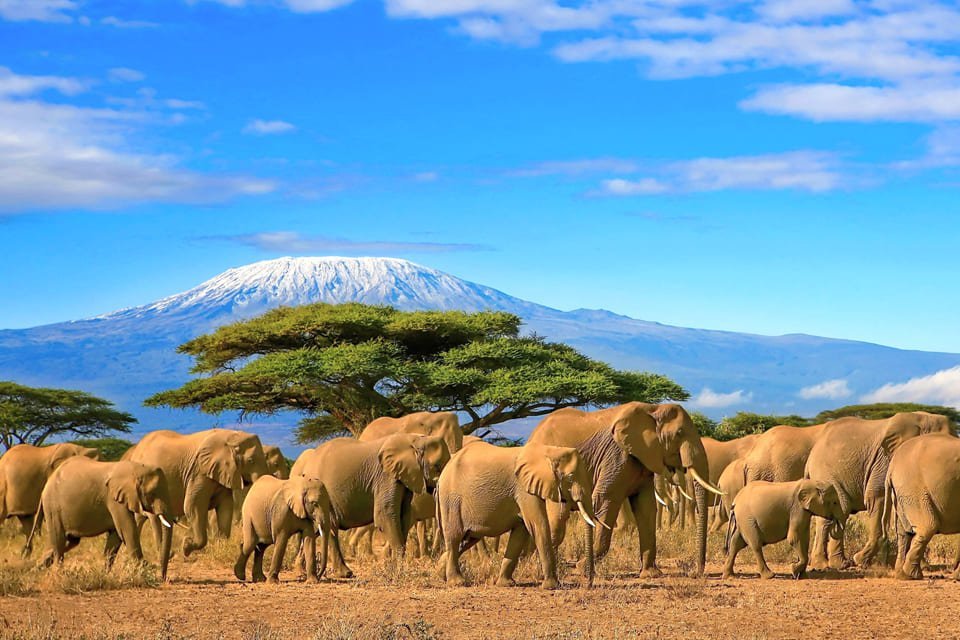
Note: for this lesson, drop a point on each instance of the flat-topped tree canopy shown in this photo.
(345, 365)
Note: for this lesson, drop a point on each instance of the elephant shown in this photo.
(623, 446)
(85, 498)
(768, 512)
(277, 465)
(440, 423)
(24, 470)
(720, 454)
(203, 470)
(853, 455)
(922, 488)
(374, 482)
(780, 453)
(488, 491)
(277, 509)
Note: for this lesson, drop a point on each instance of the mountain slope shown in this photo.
(129, 354)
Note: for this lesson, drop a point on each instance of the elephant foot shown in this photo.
(651, 572)
(505, 581)
(313, 579)
(839, 562)
(766, 575)
(902, 575)
(727, 574)
(819, 563)
(550, 584)
(955, 575)
(457, 580)
(343, 572)
(273, 580)
(799, 572)
(239, 572)
(259, 578)
(862, 559)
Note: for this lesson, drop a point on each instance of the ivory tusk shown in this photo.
(587, 519)
(703, 483)
(683, 493)
(164, 521)
(659, 499)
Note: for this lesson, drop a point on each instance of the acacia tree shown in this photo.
(31, 415)
(345, 365)
(881, 410)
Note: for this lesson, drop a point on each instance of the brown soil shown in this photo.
(205, 601)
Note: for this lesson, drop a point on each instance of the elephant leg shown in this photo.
(197, 539)
(836, 551)
(874, 534)
(644, 505)
(424, 543)
(608, 512)
(340, 568)
(751, 534)
(246, 548)
(535, 519)
(737, 544)
(558, 513)
(452, 540)
(918, 546)
(904, 538)
(310, 545)
(800, 542)
(224, 510)
(71, 543)
(279, 550)
(111, 547)
(820, 536)
(258, 552)
(26, 524)
(515, 544)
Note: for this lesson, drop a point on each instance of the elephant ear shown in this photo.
(217, 460)
(635, 431)
(124, 487)
(808, 495)
(537, 471)
(293, 495)
(898, 431)
(400, 459)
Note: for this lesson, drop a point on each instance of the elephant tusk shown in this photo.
(587, 519)
(659, 499)
(683, 493)
(703, 483)
(164, 521)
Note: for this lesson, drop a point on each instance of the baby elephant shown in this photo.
(85, 498)
(768, 512)
(277, 509)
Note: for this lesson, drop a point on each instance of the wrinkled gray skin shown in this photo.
(731, 482)
(623, 447)
(203, 470)
(24, 470)
(85, 498)
(768, 512)
(487, 491)
(923, 490)
(274, 511)
(853, 455)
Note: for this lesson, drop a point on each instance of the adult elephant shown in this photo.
(277, 465)
(442, 424)
(780, 453)
(203, 470)
(24, 471)
(623, 447)
(374, 482)
(853, 455)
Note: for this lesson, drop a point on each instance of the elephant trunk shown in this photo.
(694, 459)
(166, 541)
(701, 501)
(588, 569)
(325, 532)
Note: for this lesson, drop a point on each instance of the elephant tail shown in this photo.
(37, 522)
(3, 495)
(732, 531)
(439, 511)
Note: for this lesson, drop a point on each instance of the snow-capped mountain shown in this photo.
(130, 354)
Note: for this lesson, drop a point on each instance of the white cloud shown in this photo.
(709, 399)
(124, 74)
(837, 102)
(579, 167)
(268, 127)
(120, 23)
(426, 176)
(297, 6)
(942, 387)
(39, 10)
(829, 389)
(55, 155)
(812, 171)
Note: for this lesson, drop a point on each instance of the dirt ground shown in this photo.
(387, 601)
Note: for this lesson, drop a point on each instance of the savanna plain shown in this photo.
(394, 599)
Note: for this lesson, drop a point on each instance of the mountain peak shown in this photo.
(254, 288)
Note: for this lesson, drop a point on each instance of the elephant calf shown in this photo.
(277, 509)
(487, 491)
(768, 512)
(85, 498)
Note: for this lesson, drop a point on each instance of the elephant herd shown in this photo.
(403, 473)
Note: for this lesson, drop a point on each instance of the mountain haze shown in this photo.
(130, 354)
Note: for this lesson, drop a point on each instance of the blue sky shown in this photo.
(774, 166)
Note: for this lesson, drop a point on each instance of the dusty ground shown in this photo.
(407, 600)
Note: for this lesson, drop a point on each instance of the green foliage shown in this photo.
(111, 449)
(344, 365)
(32, 415)
(745, 423)
(882, 410)
(704, 424)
